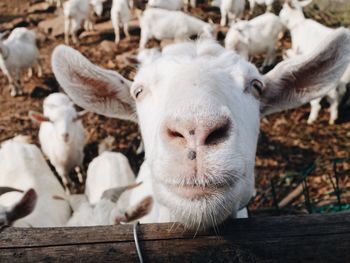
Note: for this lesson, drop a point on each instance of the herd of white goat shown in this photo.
(197, 103)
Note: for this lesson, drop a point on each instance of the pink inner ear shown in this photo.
(38, 117)
(100, 91)
(24, 207)
(100, 88)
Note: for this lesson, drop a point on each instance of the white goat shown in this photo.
(166, 4)
(106, 211)
(199, 108)
(306, 35)
(164, 24)
(268, 3)
(61, 136)
(23, 167)
(19, 52)
(108, 170)
(120, 15)
(255, 37)
(54, 101)
(78, 11)
(231, 10)
(147, 55)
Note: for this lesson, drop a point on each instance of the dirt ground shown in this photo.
(293, 159)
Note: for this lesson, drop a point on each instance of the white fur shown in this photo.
(306, 35)
(106, 212)
(231, 10)
(120, 15)
(103, 213)
(53, 101)
(164, 24)
(268, 3)
(108, 170)
(255, 37)
(199, 110)
(62, 138)
(166, 4)
(19, 52)
(22, 166)
(76, 12)
(146, 56)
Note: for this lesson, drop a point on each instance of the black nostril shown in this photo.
(191, 155)
(174, 134)
(218, 134)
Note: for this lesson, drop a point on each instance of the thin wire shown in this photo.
(137, 244)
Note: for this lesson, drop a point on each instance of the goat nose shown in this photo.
(206, 134)
(65, 137)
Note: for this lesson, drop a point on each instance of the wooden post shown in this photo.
(311, 238)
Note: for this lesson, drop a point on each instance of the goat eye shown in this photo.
(138, 91)
(256, 86)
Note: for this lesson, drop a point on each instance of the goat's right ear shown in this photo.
(24, 207)
(91, 87)
(301, 79)
(37, 117)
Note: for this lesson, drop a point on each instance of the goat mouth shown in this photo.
(196, 192)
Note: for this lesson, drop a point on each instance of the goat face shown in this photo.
(198, 106)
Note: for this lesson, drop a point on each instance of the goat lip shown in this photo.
(195, 192)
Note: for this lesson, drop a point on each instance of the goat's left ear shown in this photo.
(93, 88)
(297, 81)
(24, 207)
(37, 117)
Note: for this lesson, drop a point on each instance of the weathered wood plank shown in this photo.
(314, 238)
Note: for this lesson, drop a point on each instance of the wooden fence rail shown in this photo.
(312, 238)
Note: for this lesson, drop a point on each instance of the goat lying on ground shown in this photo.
(23, 167)
(106, 211)
(107, 170)
(199, 107)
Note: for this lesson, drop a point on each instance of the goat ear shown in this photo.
(37, 117)
(24, 207)
(139, 210)
(113, 194)
(5, 189)
(299, 80)
(91, 87)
